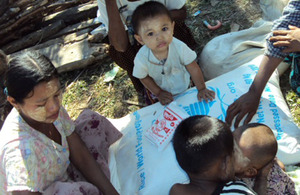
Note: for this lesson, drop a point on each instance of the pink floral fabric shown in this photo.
(98, 134)
(71, 188)
(278, 182)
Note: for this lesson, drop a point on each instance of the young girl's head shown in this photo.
(153, 25)
(203, 144)
(32, 86)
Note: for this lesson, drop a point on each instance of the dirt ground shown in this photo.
(86, 88)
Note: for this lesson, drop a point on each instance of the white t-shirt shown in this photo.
(130, 7)
(173, 75)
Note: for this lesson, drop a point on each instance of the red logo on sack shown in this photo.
(167, 130)
(168, 116)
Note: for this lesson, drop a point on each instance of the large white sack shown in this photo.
(272, 9)
(227, 52)
(136, 165)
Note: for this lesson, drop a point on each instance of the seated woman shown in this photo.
(37, 140)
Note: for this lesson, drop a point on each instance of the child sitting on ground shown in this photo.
(255, 152)
(164, 64)
(204, 150)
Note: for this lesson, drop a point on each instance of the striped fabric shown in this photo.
(234, 188)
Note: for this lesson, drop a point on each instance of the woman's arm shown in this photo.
(247, 104)
(179, 14)
(86, 164)
(25, 193)
(116, 31)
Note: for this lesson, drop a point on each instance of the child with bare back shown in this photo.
(255, 162)
(204, 150)
(164, 64)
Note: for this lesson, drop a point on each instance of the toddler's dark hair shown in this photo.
(147, 10)
(199, 141)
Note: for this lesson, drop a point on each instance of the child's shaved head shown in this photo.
(257, 145)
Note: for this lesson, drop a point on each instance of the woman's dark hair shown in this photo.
(147, 10)
(199, 141)
(25, 71)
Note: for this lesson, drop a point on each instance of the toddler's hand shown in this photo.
(165, 97)
(264, 172)
(206, 94)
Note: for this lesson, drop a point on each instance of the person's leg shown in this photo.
(183, 33)
(98, 133)
(125, 61)
(295, 74)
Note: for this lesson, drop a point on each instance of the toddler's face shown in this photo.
(156, 33)
(241, 161)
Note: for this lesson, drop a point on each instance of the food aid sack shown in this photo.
(162, 129)
(138, 167)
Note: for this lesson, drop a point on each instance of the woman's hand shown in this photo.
(25, 193)
(287, 38)
(246, 105)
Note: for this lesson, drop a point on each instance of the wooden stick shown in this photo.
(33, 38)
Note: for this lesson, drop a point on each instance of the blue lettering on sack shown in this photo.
(254, 68)
(261, 117)
(272, 101)
(277, 124)
(276, 117)
(260, 113)
(143, 178)
(231, 87)
(247, 78)
(267, 89)
(139, 150)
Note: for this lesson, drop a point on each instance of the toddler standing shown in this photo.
(164, 64)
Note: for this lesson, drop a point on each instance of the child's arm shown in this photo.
(197, 77)
(177, 190)
(163, 96)
(261, 180)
